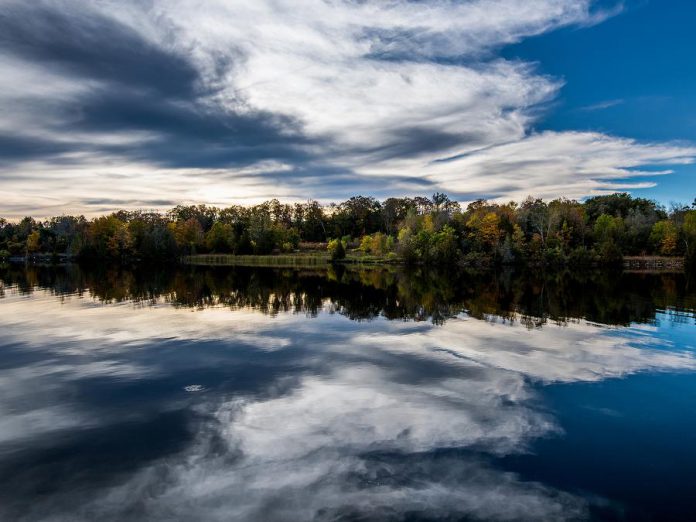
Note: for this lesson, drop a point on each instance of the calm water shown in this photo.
(272, 395)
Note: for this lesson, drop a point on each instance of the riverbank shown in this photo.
(323, 259)
(309, 259)
(312, 259)
(654, 263)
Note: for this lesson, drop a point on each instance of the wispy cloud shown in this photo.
(600, 106)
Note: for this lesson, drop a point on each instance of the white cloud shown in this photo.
(549, 164)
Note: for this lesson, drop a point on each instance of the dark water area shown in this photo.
(341, 395)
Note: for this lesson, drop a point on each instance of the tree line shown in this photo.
(419, 230)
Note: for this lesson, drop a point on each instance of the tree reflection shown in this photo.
(397, 294)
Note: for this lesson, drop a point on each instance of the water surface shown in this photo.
(276, 395)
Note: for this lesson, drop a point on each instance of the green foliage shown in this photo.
(664, 237)
(336, 250)
(610, 254)
(377, 244)
(153, 239)
(417, 230)
(689, 231)
(689, 238)
(621, 205)
(581, 257)
(220, 238)
(442, 247)
(188, 234)
(608, 228)
(108, 238)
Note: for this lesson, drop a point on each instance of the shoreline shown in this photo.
(638, 264)
(630, 263)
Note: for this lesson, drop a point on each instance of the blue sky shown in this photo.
(632, 75)
(151, 103)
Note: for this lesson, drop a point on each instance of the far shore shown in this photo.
(355, 258)
(312, 259)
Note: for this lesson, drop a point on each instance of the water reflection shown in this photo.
(168, 396)
(602, 297)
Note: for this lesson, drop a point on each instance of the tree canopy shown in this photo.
(427, 230)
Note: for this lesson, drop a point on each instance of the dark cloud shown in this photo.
(414, 141)
(141, 87)
(185, 134)
(91, 46)
(13, 148)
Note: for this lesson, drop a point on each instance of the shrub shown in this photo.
(610, 253)
(336, 249)
(581, 257)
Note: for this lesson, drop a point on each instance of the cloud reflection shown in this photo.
(303, 418)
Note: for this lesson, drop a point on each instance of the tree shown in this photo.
(422, 205)
(394, 211)
(313, 226)
(664, 237)
(262, 232)
(484, 230)
(220, 237)
(443, 203)
(205, 216)
(533, 217)
(34, 242)
(120, 244)
(188, 235)
(443, 248)
(608, 229)
(607, 232)
(406, 245)
(689, 233)
(358, 216)
(336, 250)
(108, 238)
(518, 245)
(689, 230)
(620, 205)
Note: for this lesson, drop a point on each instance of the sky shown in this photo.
(109, 104)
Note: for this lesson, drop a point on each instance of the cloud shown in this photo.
(601, 105)
(348, 96)
(549, 164)
(335, 457)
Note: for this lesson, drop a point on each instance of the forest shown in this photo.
(419, 230)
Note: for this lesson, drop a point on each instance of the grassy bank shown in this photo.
(654, 263)
(281, 260)
(285, 260)
(319, 259)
